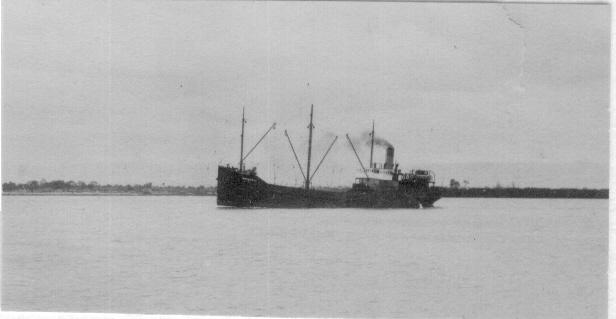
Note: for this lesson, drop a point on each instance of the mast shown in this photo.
(310, 127)
(242, 143)
(372, 144)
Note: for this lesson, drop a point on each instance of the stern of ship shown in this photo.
(432, 195)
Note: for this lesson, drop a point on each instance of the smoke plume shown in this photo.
(378, 141)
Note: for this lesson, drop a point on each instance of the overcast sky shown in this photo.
(135, 92)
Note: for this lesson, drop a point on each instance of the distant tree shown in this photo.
(92, 185)
(147, 188)
(9, 187)
(200, 190)
(32, 186)
(71, 184)
(454, 184)
(57, 185)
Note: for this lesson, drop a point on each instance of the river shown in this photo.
(471, 258)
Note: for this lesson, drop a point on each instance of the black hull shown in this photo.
(241, 189)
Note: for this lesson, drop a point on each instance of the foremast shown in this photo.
(242, 157)
(242, 142)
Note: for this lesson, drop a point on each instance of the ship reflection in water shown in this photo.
(380, 186)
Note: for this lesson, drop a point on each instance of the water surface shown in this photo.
(472, 258)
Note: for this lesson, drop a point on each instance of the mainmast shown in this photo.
(310, 127)
(307, 176)
(242, 143)
(372, 144)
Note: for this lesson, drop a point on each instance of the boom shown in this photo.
(295, 154)
(354, 151)
(323, 158)
(262, 137)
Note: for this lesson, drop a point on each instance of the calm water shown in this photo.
(472, 258)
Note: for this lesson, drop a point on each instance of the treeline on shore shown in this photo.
(72, 187)
(527, 192)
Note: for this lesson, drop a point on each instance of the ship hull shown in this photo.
(242, 189)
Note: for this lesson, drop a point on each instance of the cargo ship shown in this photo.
(381, 185)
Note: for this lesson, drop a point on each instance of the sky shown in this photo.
(129, 92)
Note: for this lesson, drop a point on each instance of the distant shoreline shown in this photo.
(92, 194)
(527, 192)
(79, 188)
(446, 193)
(71, 188)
